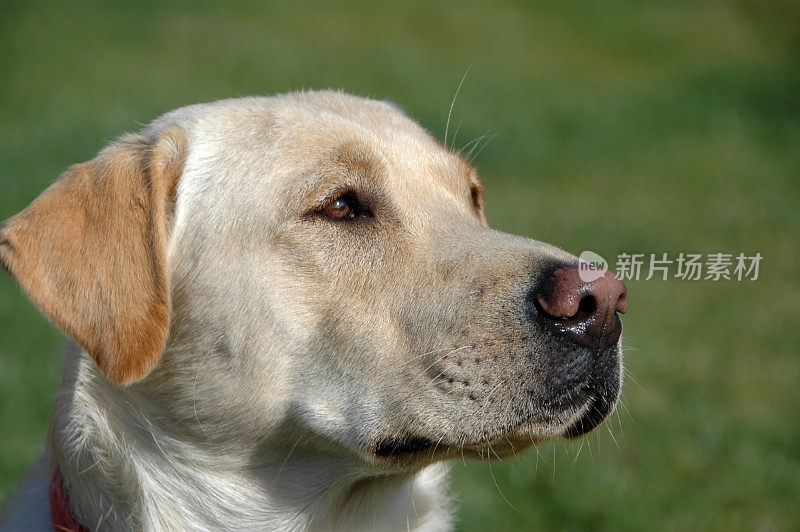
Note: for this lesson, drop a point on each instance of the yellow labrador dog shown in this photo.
(291, 313)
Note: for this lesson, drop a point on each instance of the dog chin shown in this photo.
(569, 422)
(570, 419)
(573, 413)
(506, 442)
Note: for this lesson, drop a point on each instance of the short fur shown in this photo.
(248, 363)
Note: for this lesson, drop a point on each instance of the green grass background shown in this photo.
(620, 127)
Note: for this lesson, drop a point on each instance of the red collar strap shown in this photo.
(60, 514)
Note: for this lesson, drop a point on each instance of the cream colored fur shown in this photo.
(299, 345)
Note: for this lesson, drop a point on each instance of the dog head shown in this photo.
(316, 266)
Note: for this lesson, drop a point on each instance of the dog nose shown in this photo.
(585, 312)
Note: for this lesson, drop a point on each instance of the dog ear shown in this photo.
(90, 252)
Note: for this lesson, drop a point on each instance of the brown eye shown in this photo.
(341, 208)
(344, 206)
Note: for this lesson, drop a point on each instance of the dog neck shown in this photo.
(127, 464)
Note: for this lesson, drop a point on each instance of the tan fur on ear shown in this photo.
(90, 251)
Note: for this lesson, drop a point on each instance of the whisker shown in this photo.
(473, 141)
(513, 450)
(485, 401)
(287, 457)
(433, 452)
(455, 134)
(628, 373)
(496, 485)
(580, 448)
(495, 452)
(444, 355)
(611, 433)
(625, 407)
(597, 435)
(488, 139)
(194, 389)
(541, 455)
(453, 103)
(428, 353)
(487, 136)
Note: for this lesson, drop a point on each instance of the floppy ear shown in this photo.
(90, 252)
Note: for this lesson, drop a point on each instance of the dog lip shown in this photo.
(598, 409)
(392, 447)
(582, 399)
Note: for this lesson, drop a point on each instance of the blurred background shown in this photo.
(618, 127)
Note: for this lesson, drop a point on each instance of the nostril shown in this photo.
(622, 302)
(587, 306)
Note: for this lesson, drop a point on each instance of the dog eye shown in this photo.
(343, 207)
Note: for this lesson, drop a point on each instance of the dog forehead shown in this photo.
(318, 117)
(279, 140)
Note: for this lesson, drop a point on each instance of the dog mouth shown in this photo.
(409, 445)
(568, 401)
(572, 414)
(596, 410)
